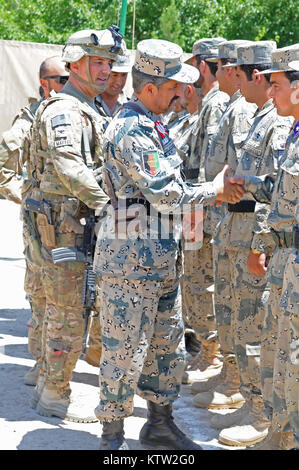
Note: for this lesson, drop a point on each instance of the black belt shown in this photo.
(130, 201)
(284, 239)
(191, 173)
(242, 206)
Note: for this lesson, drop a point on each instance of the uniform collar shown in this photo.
(121, 100)
(70, 89)
(235, 96)
(265, 109)
(210, 94)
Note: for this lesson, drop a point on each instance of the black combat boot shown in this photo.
(160, 431)
(113, 436)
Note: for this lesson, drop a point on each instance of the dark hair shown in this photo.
(292, 75)
(212, 65)
(249, 68)
(225, 61)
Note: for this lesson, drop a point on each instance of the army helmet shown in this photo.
(87, 43)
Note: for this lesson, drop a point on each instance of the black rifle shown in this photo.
(84, 253)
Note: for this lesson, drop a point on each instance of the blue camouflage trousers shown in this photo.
(142, 344)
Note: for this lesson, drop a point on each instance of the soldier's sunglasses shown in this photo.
(62, 79)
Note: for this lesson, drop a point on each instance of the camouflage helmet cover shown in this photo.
(106, 43)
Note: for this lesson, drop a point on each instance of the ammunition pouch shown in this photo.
(46, 231)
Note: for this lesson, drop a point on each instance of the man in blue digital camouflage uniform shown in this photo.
(138, 256)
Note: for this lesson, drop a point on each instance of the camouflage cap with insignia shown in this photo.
(207, 47)
(282, 58)
(123, 64)
(107, 43)
(160, 58)
(228, 50)
(259, 52)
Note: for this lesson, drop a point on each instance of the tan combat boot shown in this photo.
(55, 401)
(38, 390)
(30, 378)
(226, 394)
(228, 420)
(206, 363)
(251, 429)
(276, 440)
(211, 384)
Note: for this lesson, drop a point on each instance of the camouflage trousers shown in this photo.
(34, 289)
(33, 286)
(63, 326)
(249, 295)
(223, 300)
(290, 306)
(197, 290)
(142, 344)
(273, 359)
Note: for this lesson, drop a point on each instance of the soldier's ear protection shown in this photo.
(117, 37)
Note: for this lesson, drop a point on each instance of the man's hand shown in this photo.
(228, 191)
(256, 263)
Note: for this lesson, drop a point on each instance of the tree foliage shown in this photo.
(182, 21)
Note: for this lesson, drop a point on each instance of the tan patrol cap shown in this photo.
(254, 53)
(228, 50)
(160, 58)
(282, 58)
(123, 64)
(207, 47)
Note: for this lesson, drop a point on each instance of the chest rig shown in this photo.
(91, 139)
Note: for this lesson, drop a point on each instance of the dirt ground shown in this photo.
(21, 428)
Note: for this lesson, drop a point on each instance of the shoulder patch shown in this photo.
(151, 163)
(61, 120)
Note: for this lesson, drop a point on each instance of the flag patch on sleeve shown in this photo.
(151, 163)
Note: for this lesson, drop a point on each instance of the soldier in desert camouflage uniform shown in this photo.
(278, 348)
(244, 235)
(14, 152)
(225, 148)
(138, 256)
(110, 101)
(66, 146)
(180, 127)
(108, 104)
(290, 296)
(198, 284)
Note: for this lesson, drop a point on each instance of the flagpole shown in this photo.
(123, 15)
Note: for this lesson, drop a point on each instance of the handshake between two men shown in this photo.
(228, 189)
